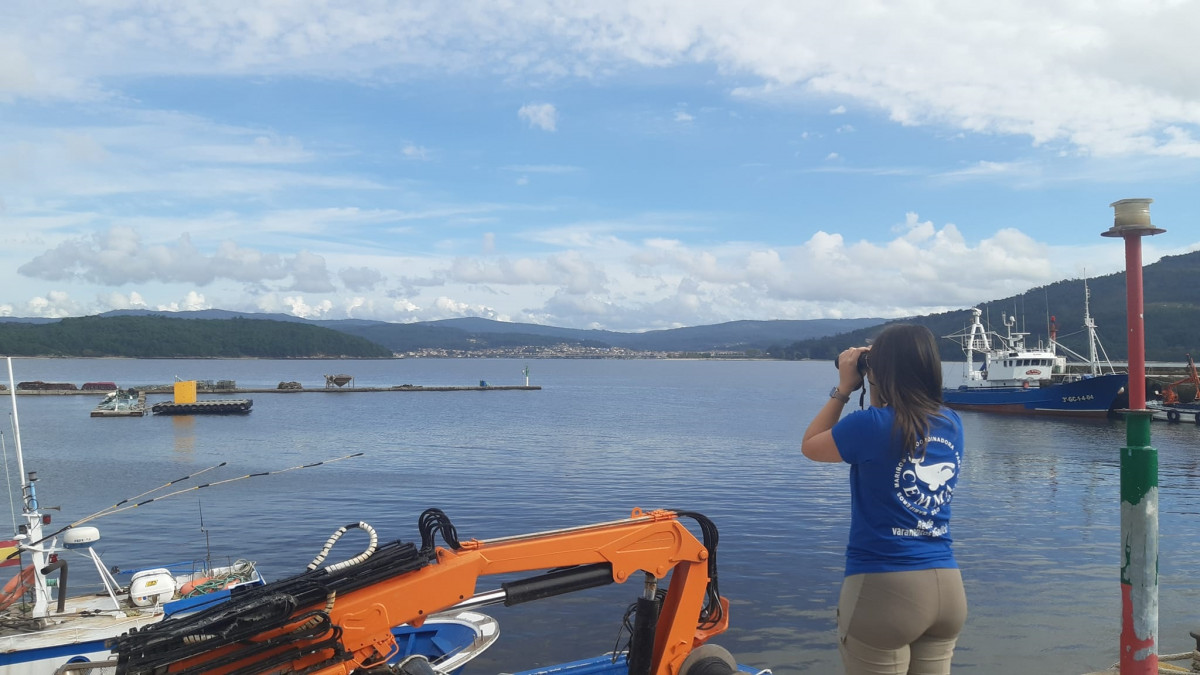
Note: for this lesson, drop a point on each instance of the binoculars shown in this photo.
(864, 364)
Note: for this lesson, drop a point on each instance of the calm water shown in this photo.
(1036, 514)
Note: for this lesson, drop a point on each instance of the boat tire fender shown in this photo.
(1196, 419)
(417, 664)
(17, 586)
(1173, 416)
(709, 660)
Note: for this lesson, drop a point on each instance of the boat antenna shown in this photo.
(8, 480)
(1049, 324)
(207, 547)
(16, 422)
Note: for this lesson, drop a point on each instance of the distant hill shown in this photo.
(486, 333)
(163, 337)
(462, 335)
(1171, 313)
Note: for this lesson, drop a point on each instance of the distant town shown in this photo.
(570, 351)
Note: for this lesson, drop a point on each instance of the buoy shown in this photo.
(186, 589)
(17, 586)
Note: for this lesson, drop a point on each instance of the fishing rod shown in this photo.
(117, 508)
(110, 511)
(160, 487)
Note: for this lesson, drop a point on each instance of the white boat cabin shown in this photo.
(1007, 361)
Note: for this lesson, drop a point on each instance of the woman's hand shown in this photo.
(849, 379)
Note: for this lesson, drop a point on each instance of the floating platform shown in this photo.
(229, 406)
(1187, 413)
(161, 389)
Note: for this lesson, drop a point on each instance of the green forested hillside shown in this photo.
(1171, 310)
(160, 337)
(417, 336)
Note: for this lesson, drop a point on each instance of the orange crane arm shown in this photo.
(652, 542)
(1170, 396)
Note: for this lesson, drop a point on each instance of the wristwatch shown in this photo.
(834, 393)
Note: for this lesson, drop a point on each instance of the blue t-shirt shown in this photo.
(899, 508)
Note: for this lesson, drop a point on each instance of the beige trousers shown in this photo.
(900, 623)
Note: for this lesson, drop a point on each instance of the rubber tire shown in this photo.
(708, 660)
(1173, 416)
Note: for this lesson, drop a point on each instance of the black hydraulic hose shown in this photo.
(61, 567)
(556, 583)
(641, 643)
(711, 614)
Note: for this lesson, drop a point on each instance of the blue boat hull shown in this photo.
(1089, 397)
(600, 665)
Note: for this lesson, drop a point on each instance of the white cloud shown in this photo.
(192, 302)
(631, 284)
(359, 279)
(116, 300)
(118, 256)
(1051, 71)
(299, 307)
(53, 305)
(410, 151)
(542, 116)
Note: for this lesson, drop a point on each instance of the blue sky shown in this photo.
(617, 165)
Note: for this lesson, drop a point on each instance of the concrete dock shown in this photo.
(165, 390)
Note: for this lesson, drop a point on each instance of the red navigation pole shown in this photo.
(1139, 463)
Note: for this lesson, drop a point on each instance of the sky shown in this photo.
(624, 165)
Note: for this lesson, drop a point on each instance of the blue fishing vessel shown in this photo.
(1014, 378)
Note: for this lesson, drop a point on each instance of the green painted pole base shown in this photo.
(1139, 543)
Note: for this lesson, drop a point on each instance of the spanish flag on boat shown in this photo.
(8, 548)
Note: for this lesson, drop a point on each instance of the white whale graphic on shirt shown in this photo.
(934, 475)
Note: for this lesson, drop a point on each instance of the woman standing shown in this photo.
(902, 603)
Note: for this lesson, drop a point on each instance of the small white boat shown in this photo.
(120, 403)
(1187, 413)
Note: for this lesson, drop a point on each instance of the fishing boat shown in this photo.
(1015, 378)
(334, 620)
(44, 628)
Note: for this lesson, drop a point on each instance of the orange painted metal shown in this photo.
(654, 542)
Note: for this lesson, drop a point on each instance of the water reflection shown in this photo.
(184, 428)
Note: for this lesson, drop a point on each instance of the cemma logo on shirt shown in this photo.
(923, 485)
